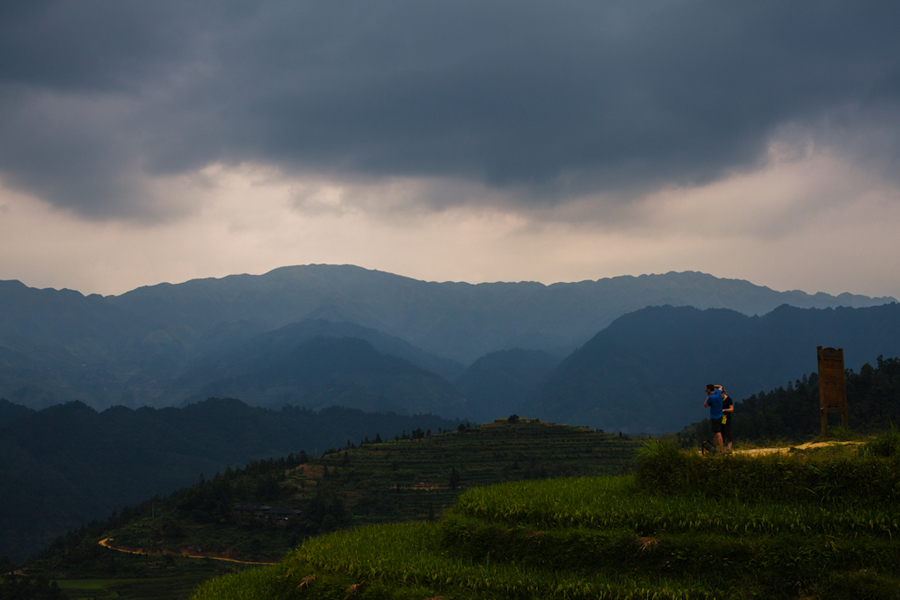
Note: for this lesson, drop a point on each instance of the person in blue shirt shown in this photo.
(714, 403)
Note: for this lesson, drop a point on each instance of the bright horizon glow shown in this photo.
(765, 231)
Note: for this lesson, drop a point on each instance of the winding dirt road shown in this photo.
(107, 543)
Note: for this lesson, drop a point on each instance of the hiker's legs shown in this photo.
(726, 434)
(716, 426)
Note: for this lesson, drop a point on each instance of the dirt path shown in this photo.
(805, 446)
(107, 543)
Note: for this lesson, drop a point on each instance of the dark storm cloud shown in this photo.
(551, 99)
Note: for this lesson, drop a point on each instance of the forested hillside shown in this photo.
(647, 371)
(68, 464)
(791, 412)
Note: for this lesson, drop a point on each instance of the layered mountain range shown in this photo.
(307, 357)
(319, 335)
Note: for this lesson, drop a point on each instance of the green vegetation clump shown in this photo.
(812, 476)
(886, 444)
(682, 526)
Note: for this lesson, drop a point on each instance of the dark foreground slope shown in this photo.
(647, 371)
(68, 464)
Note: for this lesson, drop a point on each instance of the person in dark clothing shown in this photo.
(727, 412)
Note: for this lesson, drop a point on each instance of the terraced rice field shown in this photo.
(413, 479)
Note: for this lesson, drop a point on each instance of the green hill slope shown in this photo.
(415, 476)
(671, 531)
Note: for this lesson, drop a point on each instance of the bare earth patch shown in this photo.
(805, 446)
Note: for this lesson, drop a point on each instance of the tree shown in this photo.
(454, 479)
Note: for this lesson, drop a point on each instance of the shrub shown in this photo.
(797, 477)
(886, 444)
(662, 466)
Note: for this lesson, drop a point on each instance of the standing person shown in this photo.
(714, 403)
(727, 412)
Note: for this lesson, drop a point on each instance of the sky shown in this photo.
(149, 142)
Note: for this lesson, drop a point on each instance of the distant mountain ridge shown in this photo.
(144, 347)
(457, 320)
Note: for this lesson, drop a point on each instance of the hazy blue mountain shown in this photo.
(59, 345)
(68, 464)
(647, 371)
(131, 350)
(329, 371)
(235, 350)
(456, 320)
(498, 384)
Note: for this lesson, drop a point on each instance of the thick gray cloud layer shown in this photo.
(549, 99)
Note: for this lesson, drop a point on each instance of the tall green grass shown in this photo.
(886, 444)
(867, 477)
(411, 555)
(611, 503)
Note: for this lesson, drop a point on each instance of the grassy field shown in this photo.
(624, 537)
